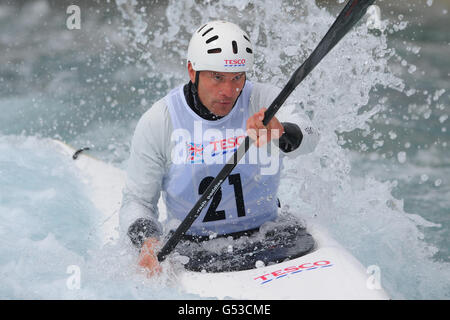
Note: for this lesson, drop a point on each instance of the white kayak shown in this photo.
(327, 272)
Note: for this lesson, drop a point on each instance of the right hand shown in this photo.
(148, 259)
(263, 134)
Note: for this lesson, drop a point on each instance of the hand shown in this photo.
(148, 259)
(260, 133)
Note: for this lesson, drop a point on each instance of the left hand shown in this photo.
(260, 133)
(148, 258)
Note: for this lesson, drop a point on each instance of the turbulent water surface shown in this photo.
(379, 179)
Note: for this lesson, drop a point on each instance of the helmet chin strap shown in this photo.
(197, 101)
(197, 79)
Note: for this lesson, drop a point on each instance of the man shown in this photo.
(217, 99)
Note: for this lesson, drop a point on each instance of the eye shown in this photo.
(217, 77)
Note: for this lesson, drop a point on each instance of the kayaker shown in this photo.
(169, 156)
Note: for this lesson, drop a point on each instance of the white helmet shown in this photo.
(220, 46)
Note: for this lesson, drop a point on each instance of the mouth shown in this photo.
(224, 102)
(222, 107)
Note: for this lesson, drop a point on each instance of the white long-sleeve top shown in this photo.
(151, 156)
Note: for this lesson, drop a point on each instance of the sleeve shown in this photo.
(291, 138)
(147, 164)
(301, 135)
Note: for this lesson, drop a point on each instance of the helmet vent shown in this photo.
(201, 28)
(246, 38)
(235, 47)
(212, 39)
(249, 50)
(216, 50)
(207, 31)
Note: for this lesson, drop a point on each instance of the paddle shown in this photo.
(352, 12)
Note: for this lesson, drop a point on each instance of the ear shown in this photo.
(191, 72)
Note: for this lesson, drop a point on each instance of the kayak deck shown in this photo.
(278, 243)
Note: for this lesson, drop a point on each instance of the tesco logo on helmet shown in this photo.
(235, 62)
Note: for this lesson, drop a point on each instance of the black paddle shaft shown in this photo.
(349, 16)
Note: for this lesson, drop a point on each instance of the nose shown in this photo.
(227, 89)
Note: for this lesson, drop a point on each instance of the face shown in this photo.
(218, 91)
